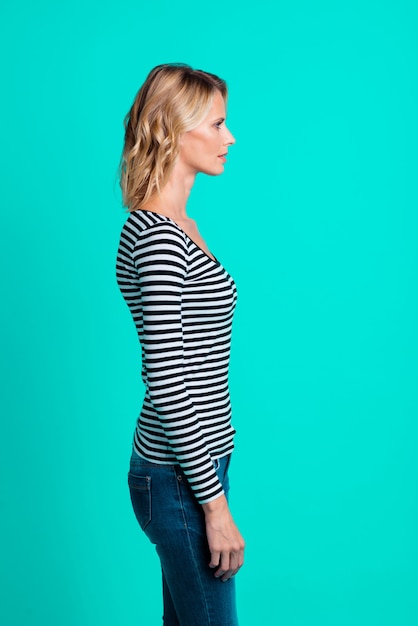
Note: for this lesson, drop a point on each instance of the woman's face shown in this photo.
(204, 148)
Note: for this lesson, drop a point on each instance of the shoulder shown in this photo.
(163, 233)
(144, 228)
(159, 242)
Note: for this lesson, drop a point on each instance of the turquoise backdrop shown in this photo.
(316, 219)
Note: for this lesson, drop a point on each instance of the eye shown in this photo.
(219, 124)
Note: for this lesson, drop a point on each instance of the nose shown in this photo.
(229, 139)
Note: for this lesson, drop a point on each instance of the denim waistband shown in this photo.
(217, 462)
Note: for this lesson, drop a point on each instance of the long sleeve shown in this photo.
(161, 258)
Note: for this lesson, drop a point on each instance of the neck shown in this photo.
(172, 199)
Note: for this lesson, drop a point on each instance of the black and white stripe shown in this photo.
(182, 303)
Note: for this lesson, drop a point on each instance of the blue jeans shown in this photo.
(173, 520)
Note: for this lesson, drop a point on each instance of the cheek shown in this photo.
(205, 145)
(209, 141)
(215, 144)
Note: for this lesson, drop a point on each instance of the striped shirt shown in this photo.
(182, 303)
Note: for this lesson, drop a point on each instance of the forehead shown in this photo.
(217, 108)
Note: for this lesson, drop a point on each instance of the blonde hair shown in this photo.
(173, 100)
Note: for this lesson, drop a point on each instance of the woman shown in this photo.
(182, 302)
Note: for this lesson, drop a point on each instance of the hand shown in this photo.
(226, 544)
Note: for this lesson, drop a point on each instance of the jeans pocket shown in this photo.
(216, 464)
(140, 490)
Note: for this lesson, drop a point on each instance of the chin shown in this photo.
(214, 171)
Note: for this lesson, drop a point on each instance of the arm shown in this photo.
(161, 261)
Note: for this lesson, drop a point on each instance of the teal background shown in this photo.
(316, 219)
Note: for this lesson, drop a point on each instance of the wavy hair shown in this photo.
(174, 99)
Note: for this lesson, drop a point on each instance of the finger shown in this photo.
(233, 567)
(235, 563)
(241, 557)
(215, 557)
(223, 565)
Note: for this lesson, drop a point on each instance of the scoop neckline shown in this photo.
(214, 259)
